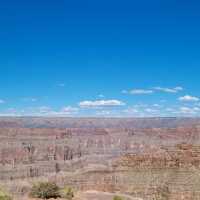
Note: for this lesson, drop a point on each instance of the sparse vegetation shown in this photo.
(4, 195)
(117, 198)
(162, 193)
(67, 193)
(45, 190)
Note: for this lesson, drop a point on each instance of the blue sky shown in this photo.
(100, 58)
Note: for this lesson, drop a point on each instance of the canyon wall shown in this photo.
(140, 160)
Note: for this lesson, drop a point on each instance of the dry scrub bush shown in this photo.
(4, 195)
(162, 193)
(45, 190)
(67, 193)
(117, 198)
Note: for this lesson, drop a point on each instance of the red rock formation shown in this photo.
(144, 162)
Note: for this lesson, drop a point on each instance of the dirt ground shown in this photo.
(96, 195)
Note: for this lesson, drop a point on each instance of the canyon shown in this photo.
(144, 158)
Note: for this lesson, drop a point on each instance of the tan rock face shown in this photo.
(161, 162)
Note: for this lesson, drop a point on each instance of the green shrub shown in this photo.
(4, 195)
(117, 198)
(45, 190)
(162, 193)
(67, 193)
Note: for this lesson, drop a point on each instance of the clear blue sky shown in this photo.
(100, 58)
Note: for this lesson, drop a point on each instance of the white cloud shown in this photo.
(137, 91)
(65, 111)
(196, 109)
(131, 111)
(61, 85)
(101, 103)
(44, 109)
(124, 91)
(70, 109)
(141, 105)
(197, 104)
(157, 105)
(150, 110)
(29, 99)
(2, 101)
(188, 98)
(187, 110)
(169, 90)
(101, 96)
(178, 88)
(103, 113)
(150, 91)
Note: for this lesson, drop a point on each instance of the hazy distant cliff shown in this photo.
(62, 122)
